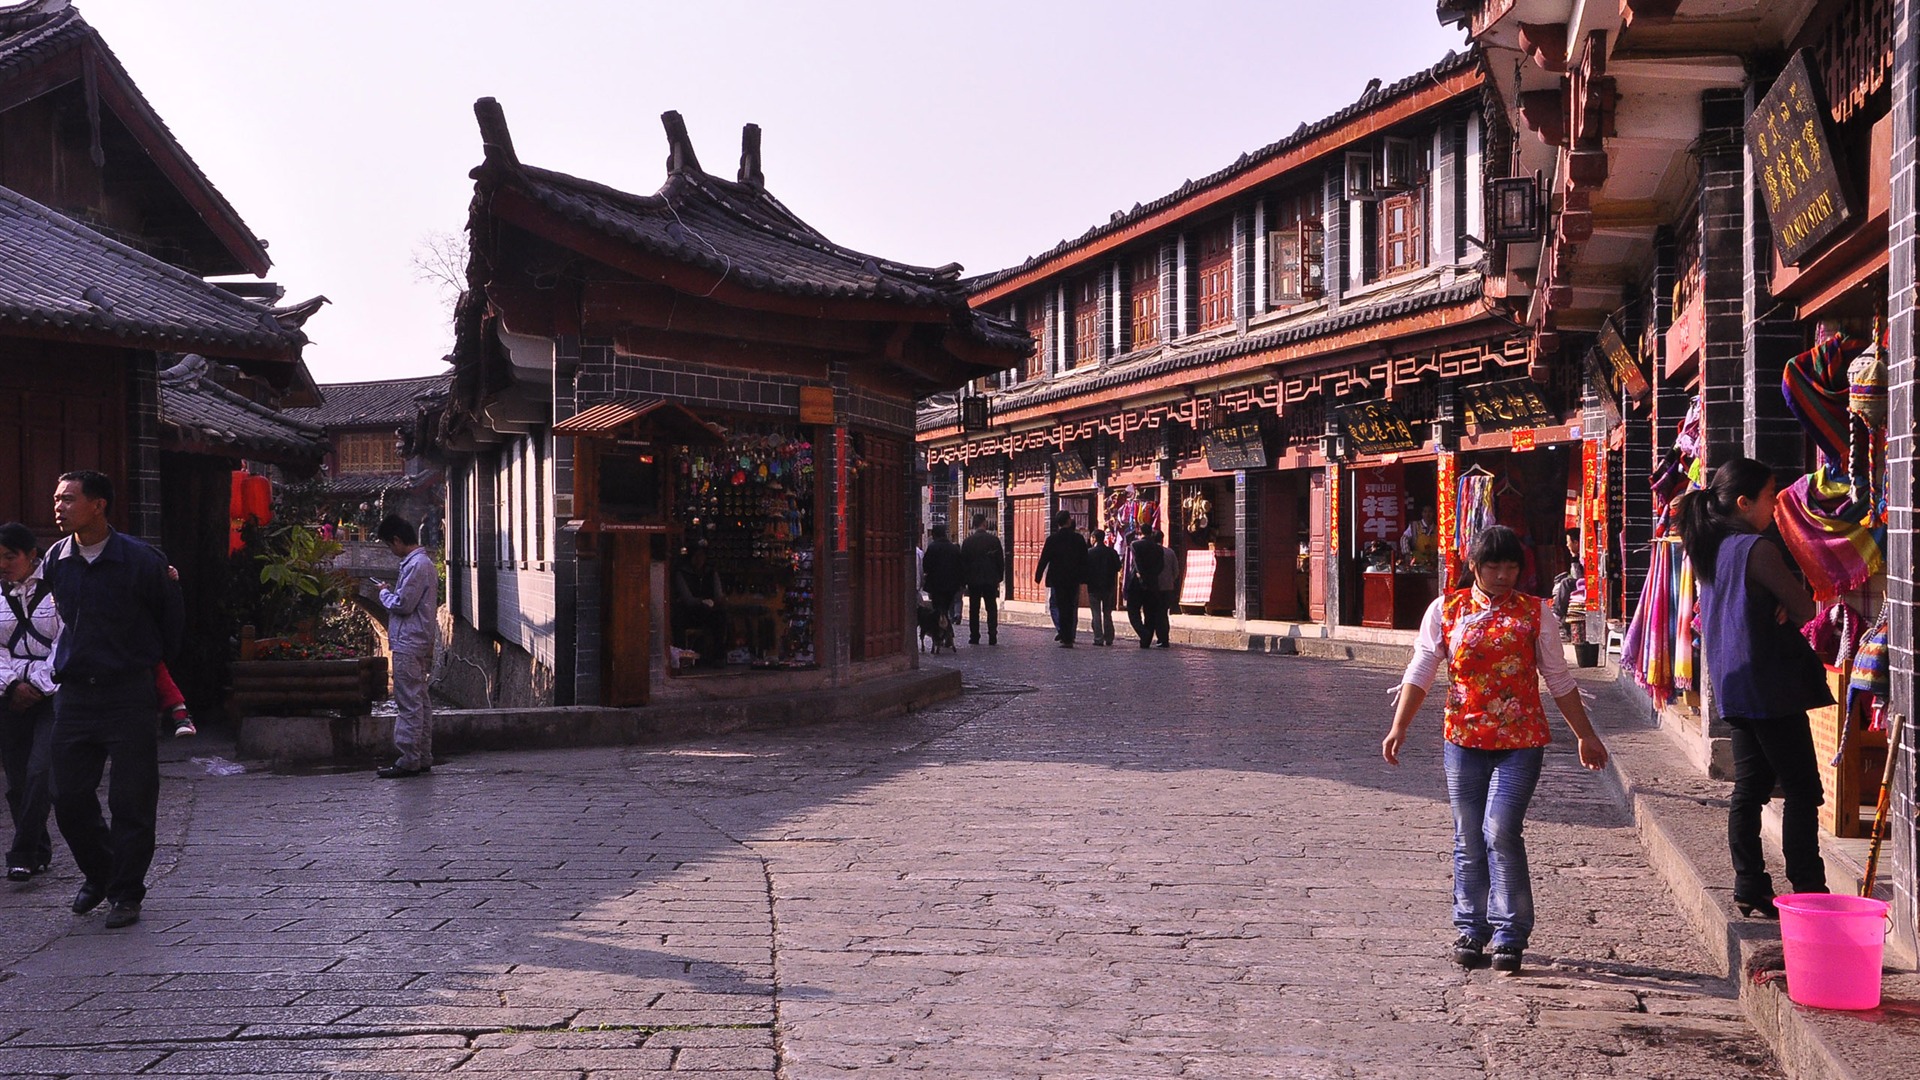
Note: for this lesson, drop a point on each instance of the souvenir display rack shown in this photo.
(750, 503)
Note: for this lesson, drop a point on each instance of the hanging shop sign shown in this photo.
(1379, 505)
(1447, 471)
(1627, 377)
(1807, 199)
(1068, 468)
(1373, 427)
(816, 405)
(1237, 446)
(1504, 406)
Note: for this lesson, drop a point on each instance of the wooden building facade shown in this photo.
(1282, 366)
(110, 230)
(640, 378)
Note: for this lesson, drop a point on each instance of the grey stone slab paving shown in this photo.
(1104, 864)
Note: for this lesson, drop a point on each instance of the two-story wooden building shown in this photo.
(1284, 365)
(109, 230)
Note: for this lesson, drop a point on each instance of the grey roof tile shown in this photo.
(59, 279)
(200, 410)
(381, 401)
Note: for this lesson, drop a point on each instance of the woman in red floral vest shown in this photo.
(1498, 643)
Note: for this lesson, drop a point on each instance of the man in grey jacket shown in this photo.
(413, 626)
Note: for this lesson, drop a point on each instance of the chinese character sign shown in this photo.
(1447, 469)
(1379, 509)
(1787, 135)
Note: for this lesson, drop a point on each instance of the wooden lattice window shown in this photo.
(1401, 239)
(1145, 297)
(1215, 273)
(366, 452)
(1295, 271)
(1037, 328)
(1086, 321)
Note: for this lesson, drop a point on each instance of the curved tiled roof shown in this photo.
(62, 280)
(363, 404)
(1374, 97)
(202, 411)
(1173, 359)
(38, 31)
(742, 232)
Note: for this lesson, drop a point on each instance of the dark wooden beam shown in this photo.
(615, 304)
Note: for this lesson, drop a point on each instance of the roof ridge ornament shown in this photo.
(680, 155)
(750, 173)
(494, 136)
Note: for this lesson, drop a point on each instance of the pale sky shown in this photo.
(978, 132)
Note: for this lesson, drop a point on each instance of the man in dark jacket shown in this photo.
(120, 614)
(941, 571)
(1063, 564)
(1103, 570)
(984, 564)
(1146, 603)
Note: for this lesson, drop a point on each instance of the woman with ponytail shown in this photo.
(1764, 674)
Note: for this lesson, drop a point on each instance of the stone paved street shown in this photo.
(1098, 863)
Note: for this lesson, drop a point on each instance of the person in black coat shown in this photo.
(1063, 563)
(984, 563)
(1146, 602)
(942, 570)
(1102, 573)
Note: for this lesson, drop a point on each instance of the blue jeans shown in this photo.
(1492, 891)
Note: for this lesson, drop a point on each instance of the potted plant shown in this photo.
(306, 648)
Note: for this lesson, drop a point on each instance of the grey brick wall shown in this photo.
(1904, 422)
(1722, 272)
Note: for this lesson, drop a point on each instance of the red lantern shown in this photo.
(257, 499)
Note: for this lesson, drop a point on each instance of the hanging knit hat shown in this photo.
(1867, 385)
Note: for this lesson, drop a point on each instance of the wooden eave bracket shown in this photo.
(1546, 43)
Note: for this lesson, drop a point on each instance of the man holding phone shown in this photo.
(413, 626)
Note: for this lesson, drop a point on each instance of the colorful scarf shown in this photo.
(1821, 526)
(1815, 386)
(1658, 638)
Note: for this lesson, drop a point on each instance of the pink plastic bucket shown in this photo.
(1833, 945)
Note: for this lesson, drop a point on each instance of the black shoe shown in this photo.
(1163, 645)
(123, 915)
(1469, 953)
(19, 873)
(1506, 958)
(1146, 644)
(1066, 644)
(89, 897)
(973, 641)
(400, 772)
(993, 641)
(1758, 908)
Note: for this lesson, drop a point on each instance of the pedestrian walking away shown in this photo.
(1103, 575)
(29, 624)
(1498, 644)
(1062, 565)
(1147, 573)
(984, 563)
(120, 615)
(412, 627)
(943, 575)
(1765, 676)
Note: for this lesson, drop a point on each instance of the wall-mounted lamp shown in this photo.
(1444, 437)
(1514, 209)
(1333, 446)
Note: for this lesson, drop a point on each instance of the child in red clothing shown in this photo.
(173, 702)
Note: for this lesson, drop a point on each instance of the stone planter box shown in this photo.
(298, 687)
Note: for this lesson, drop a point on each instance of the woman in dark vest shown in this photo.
(1764, 675)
